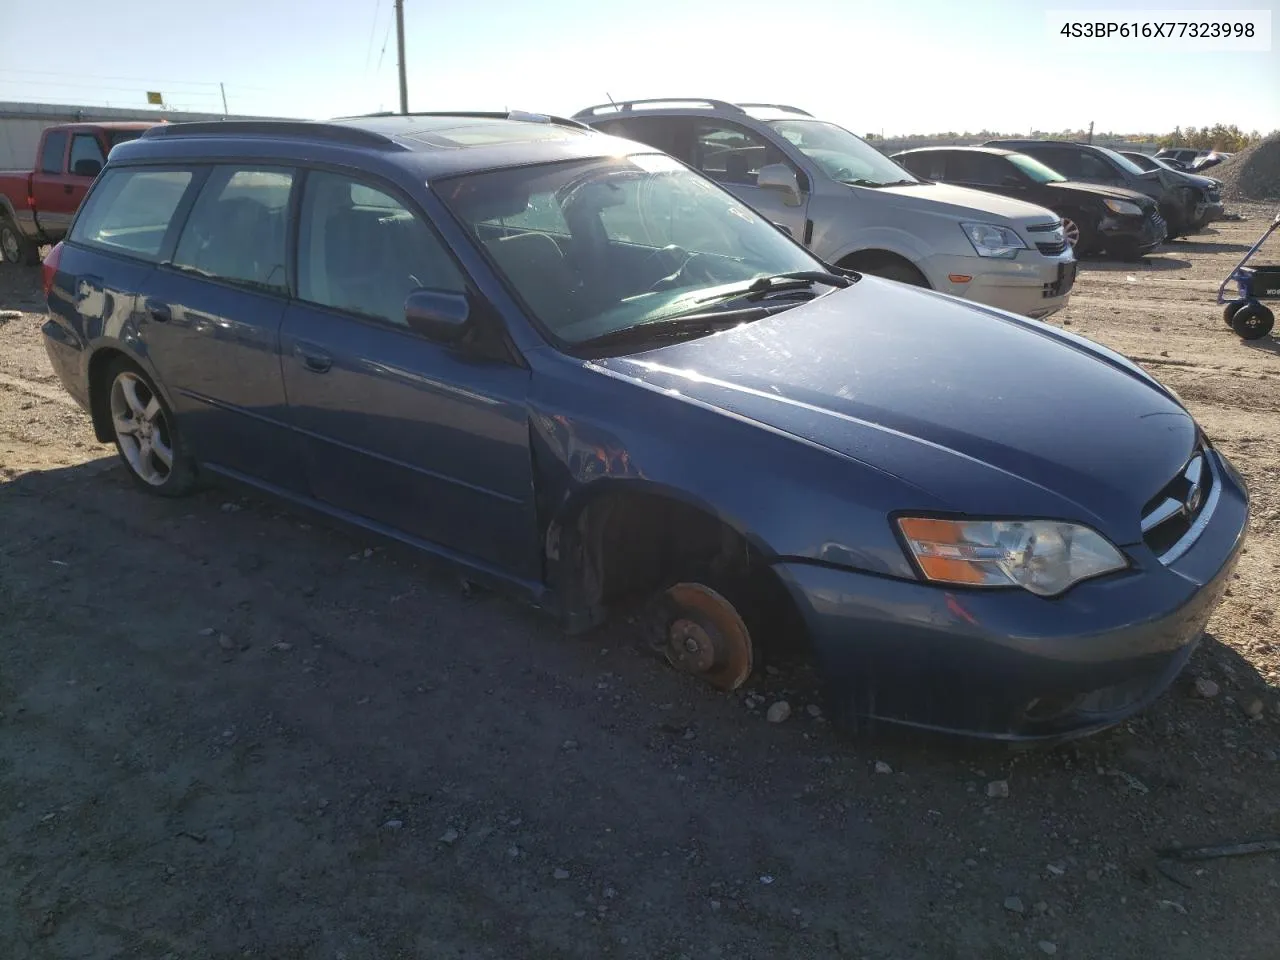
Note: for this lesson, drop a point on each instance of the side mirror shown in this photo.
(438, 315)
(779, 176)
(87, 168)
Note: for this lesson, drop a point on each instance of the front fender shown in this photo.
(889, 239)
(595, 432)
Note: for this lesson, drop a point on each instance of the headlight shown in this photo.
(993, 240)
(1123, 207)
(1045, 557)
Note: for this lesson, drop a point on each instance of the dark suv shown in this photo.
(1124, 223)
(1186, 207)
(578, 368)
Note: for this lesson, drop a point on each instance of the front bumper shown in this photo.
(1133, 235)
(1032, 284)
(1206, 212)
(1005, 664)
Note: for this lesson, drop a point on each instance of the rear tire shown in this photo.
(15, 247)
(145, 432)
(1253, 322)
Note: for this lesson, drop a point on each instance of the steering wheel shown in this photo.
(844, 173)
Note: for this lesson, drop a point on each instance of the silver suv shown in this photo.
(853, 206)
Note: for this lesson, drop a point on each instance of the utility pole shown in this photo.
(1091, 131)
(404, 85)
(223, 88)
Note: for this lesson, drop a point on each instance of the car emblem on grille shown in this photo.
(1192, 503)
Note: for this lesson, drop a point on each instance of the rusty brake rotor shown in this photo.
(706, 637)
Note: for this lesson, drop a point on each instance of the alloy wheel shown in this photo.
(142, 429)
(9, 244)
(1070, 232)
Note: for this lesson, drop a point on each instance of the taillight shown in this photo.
(50, 267)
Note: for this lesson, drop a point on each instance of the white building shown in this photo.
(22, 123)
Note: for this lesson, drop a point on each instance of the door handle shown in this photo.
(313, 358)
(67, 188)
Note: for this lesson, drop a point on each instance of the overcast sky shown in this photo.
(910, 66)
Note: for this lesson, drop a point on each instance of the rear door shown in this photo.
(422, 438)
(210, 322)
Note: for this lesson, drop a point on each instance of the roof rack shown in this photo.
(778, 106)
(290, 129)
(626, 106)
(519, 115)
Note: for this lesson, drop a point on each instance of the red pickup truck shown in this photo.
(36, 207)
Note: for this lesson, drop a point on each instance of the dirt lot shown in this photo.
(230, 731)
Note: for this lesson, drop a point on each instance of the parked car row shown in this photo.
(1192, 161)
(578, 368)
(1095, 218)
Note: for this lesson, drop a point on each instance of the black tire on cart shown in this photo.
(1253, 321)
(1230, 310)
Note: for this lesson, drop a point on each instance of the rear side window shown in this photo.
(362, 251)
(129, 210)
(85, 146)
(54, 149)
(973, 167)
(236, 230)
(931, 165)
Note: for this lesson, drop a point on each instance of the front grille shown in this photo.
(1044, 227)
(1169, 516)
(1052, 249)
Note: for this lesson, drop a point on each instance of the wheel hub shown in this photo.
(706, 637)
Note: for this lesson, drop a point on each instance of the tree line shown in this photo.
(1228, 138)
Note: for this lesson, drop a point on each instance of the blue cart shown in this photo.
(1245, 313)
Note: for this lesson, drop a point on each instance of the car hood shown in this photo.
(1098, 190)
(965, 203)
(985, 411)
(1177, 178)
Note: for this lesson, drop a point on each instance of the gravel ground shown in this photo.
(227, 730)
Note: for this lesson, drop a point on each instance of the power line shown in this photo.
(385, 37)
(89, 79)
(373, 29)
(89, 85)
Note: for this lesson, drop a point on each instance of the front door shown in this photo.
(210, 319)
(732, 156)
(423, 438)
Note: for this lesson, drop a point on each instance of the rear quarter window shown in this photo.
(129, 210)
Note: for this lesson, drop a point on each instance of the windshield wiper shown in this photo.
(882, 183)
(780, 283)
(677, 327)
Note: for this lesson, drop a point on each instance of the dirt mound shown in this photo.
(1252, 174)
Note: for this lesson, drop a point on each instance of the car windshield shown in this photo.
(1125, 163)
(599, 246)
(1034, 169)
(841, 154)
(1142, 162)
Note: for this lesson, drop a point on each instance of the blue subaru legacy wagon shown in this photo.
(574, 366)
